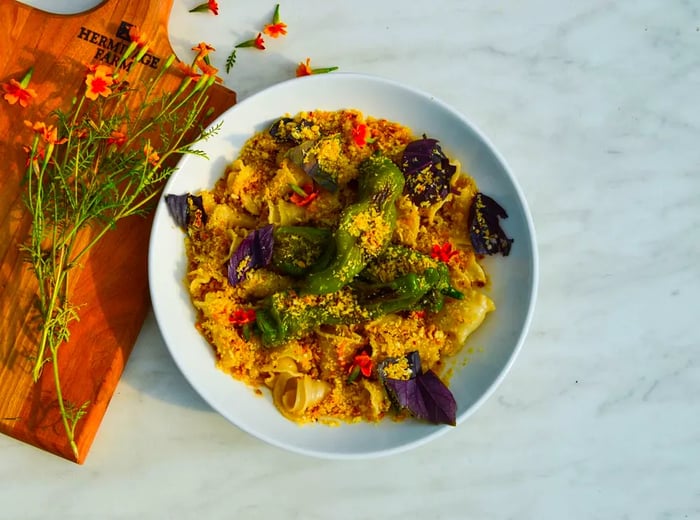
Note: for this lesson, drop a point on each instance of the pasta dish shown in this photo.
(336, 264)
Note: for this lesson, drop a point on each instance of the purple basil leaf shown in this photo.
(418, 155)
(179, 208)
(427, 171)
(254, 251)
(414, 362)
(264, 245)
(438, 404)
(407, 395)
(487, 236)
(424, 395)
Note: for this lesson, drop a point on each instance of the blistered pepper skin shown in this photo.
(381, 184)
(399, 261)
(284, 315)
(300, 250)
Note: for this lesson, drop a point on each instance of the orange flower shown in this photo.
(38, 157)
(48, 133)
(15, 93)
(303, 196)
(151, 155)
(361, 135)
(277, 27)
(258, 42)
(80, 133)
(363, 361)
(304, 69)
(208, 70)
(99, 82)
(203, 49)
(188, 70)
(211, 5)
(419, 315)
(38, 127)
(51, 136)
(136, 36)
(362, 364)
(19, 91)
(242, 317)
(443, 252)
(117, 137)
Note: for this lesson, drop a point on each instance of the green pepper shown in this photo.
(405, 292)
(398, 261)
(365, 227)
(285, 315)
(300, 250)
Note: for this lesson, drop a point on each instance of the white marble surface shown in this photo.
(596, 106)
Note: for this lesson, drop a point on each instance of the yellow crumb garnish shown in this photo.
(308, 375)
(399, 369)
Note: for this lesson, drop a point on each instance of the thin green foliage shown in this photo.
(230, 61)
(101, 163)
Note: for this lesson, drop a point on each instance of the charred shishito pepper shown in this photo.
(400, 279)
(365, 227)
(301, 249)
(287, 315)
(399, 268)
(403, 293)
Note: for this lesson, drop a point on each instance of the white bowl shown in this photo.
(514, 278)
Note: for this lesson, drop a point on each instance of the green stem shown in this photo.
(70, 433)
(47, 332)
(89, 184)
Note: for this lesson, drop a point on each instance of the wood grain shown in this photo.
(111, 287)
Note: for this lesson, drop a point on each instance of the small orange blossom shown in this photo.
(242, 316)
(210, 5)
(151, 155)
(99, 82)
(258, 42)
(19, 91)
(303, 195)
(443, 252)
(277, 27)
(117, 137)
(136, 36)
(304, 69)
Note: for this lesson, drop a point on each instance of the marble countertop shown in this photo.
(596, 107)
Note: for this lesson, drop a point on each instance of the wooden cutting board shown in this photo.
(112, 287)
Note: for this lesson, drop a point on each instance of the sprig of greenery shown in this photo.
(230, 61)
(102, 162)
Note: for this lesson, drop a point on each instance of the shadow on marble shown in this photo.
(152, 371)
